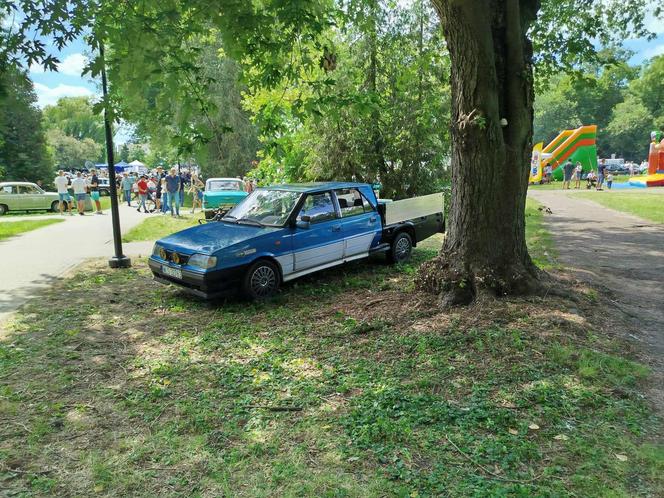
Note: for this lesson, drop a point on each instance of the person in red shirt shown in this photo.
(142, 185)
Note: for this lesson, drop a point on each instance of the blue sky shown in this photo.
(50, 86)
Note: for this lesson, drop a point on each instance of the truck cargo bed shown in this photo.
(409, 209)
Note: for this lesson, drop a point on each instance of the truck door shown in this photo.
(322, 240)
(359, 221)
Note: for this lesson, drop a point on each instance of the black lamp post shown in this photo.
(119, 260)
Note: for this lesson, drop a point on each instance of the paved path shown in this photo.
(619, 252)
(33, 260)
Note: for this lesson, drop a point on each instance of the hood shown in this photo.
(231, 194)
(214, 236)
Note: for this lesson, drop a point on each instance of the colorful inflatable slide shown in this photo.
(655, 176)
(575, 145)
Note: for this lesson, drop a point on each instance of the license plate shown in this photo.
(171, 272)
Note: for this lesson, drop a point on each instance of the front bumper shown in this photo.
(207, 285)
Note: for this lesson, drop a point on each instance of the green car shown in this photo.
(25, 196)
(221, 195)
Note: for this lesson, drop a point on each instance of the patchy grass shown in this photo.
(349, 383)
(158, 226)
(540, 242)
(11, 228)
(645, 205)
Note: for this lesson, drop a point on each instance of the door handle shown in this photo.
(336, 228)
(372, 219)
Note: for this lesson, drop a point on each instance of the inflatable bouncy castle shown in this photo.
(655, 176)
(577, 145)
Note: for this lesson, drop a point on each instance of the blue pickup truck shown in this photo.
(283, 232)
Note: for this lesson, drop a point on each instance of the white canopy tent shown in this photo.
(136, 167)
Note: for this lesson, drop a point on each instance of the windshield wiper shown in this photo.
(249, 221)
(230, 218)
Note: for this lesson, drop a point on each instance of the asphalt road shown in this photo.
(621, 254)
(35, 259)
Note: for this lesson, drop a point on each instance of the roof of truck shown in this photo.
(316, 186)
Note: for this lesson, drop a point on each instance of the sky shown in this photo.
(50, 86)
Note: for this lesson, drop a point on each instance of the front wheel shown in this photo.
(3, 209)
(262, 280)
(402, 247)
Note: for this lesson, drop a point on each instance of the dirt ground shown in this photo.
(623, 256)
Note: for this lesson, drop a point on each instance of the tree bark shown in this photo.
(491, 80)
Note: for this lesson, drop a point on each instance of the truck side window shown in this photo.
(352, 202)
(318, 207)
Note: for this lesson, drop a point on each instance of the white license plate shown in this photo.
(171, 272)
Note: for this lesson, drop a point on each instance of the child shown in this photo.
(609, 180)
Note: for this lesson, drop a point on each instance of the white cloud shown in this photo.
(653, 51)
(49, 96)
(71, 65)
(654, 24)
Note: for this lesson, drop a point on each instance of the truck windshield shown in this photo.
(268, 207)
(218, 185)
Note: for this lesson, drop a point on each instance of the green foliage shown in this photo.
(382, 116)
(23, 152)
(71, 153)
(623, 101)
(75, 117)
(10, 229)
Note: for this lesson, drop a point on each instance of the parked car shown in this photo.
(104, 187)
(25, 196)
(283, 232)
(221, 195)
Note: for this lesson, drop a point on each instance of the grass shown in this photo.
(349, 383)
(540, 242)
(12, 228)
(645, 205)
(156, 227)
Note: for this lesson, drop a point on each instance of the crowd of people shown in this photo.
(160, 191)
(593, 180)
(157, 191)
(82, 185)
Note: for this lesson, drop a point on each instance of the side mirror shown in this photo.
(303, 222)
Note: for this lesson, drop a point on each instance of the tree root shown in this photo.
(461, 284)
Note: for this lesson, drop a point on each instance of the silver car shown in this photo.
(25, 196)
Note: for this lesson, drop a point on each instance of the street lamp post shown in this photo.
(119, 260)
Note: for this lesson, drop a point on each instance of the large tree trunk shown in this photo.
(492, 115)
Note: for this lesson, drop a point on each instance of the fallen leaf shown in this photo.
(621, 457)
(533, 427)
(353, 459)
(514, 432)
(561, 437)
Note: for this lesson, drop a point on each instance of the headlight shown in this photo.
(203, 261)
(159, 251)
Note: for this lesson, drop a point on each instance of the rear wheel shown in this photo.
(3, 209)
(262, 280)
(402, 247)
(55, 206)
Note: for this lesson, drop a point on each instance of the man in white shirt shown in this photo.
(61, 183)
(80, 187)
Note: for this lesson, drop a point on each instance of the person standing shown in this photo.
(609, 180)
(127, 183)
(94, 191)
(630, 166)
(196, 190)
(568, 169)
(578, 172)
(601, 171)
(173, 189)
(158, 181)
(61, 183)
(80, 187)
(142, 186)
